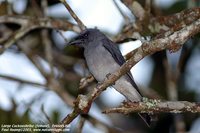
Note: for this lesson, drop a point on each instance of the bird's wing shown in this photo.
(117, 55)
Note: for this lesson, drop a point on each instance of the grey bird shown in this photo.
(103, 57)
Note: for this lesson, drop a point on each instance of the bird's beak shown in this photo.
(76, 41)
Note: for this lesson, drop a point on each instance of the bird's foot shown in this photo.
(99, 84)
(108, 76)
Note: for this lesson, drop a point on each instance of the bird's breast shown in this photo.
(100, 62)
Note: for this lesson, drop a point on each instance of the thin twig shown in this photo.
(23, 81)
(47, 42)
(85, 81)
(48, 50)
(79, 22)
(172, 77)
(126, 18)
(45, 114)
(80, 125)
(62, 35)
(171, 81)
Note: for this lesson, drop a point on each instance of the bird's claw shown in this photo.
(108, 75)
(99, 84)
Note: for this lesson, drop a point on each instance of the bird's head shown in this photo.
(85, 37)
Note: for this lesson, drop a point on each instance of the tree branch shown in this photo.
(29, 23)
(158, 25)
(172, 42)
(156, 106)
(60, 24)
(185, 16)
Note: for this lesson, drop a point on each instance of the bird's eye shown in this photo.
(86, 35)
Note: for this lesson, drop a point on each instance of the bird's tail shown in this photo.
(146, 118)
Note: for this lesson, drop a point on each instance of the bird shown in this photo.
(103, 57)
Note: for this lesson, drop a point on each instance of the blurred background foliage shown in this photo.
(70, 68)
